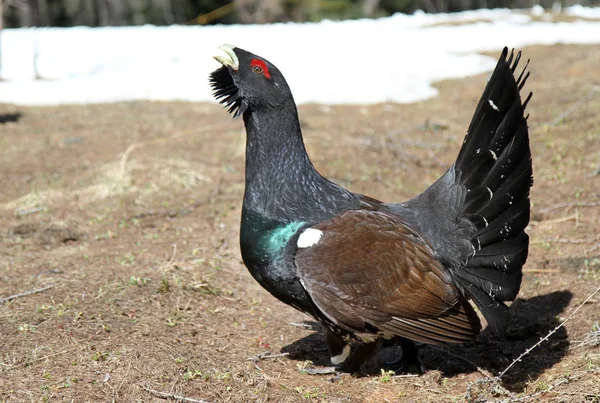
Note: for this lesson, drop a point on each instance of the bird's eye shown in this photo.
(260, 68)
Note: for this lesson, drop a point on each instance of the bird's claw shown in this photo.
(320, 371)
(405, 366)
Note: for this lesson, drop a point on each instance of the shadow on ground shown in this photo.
(532, 319)
(10, 117)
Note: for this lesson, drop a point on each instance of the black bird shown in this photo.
(369, 270)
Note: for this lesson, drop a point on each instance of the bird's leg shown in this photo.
(410, 362)
(344, 359)
(357, 358)
(338, 348)
(342, 354)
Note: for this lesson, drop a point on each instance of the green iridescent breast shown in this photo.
(275, 240)
(265, 239)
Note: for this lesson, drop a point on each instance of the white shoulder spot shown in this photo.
(309, 237)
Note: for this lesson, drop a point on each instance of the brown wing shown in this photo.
(368, 269)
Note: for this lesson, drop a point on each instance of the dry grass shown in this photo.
(131, 211)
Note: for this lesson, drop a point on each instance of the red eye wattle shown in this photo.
(260, 67)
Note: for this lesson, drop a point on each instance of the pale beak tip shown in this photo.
(232, 61)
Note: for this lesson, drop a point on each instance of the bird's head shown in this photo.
(248, 82)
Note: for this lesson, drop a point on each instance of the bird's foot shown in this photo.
(405, 366)
(320, 371)
(324, 371)
(410, 362)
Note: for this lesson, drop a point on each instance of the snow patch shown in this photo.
(93, 65)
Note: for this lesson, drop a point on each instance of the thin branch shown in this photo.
(567, 240)
(406, 376)
(591, 339)
(319, 371)
(26, 363)
(541, 271)
(498, 378)
(27, 211)
(24, 294)
(308, 326)
(543, 339)
(172, 396)
(593, 248)
(267, 355)
(172, 260)
(123, 163)
(561, 381)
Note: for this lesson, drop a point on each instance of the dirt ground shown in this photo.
(129, 212)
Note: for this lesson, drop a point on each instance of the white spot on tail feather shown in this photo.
(309, 237)
(493, 105)
(494, 155)
(491, 193)
(338, 359)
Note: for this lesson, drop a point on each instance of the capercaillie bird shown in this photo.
(369, 270)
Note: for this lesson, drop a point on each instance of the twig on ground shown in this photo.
(593, 248)
(170, 262)
(405, 376)
(125, 376)
(172, 396)
(594, 172)
(26, 363)
(123, 164)
(541, 271)
(175, 135)
(266, 355)
(305, 325)
(27, 211)
(561, 381)
(26, 293)
(114, 392)
(566, 240)
(591, 339)
(319, 371)
(543, 339)
(569, 204)
(498, 378)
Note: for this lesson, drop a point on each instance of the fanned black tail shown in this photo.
(494, 165)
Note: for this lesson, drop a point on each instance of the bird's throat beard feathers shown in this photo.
(227, 92)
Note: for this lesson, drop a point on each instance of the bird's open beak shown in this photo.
(233, 62)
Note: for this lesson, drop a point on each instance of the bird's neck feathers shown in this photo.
(281, 181)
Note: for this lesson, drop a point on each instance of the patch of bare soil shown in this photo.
(130, 213)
